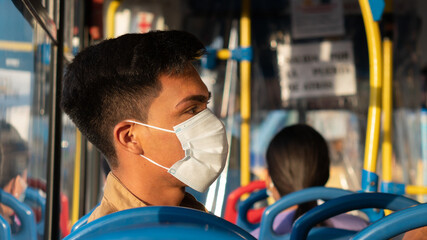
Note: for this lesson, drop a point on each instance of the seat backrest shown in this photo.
(345, 204)
(182, 232)
(34, 196)
(160, 219)
(37, 185)
(295, 198)
(25, 215)
(245, 206)
(5, 232)
(83, 220)
(395, 224)
(234, 197)
(64, 224)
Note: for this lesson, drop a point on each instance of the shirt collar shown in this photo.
(119, 196)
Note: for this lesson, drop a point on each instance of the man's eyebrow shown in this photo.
(197, 98)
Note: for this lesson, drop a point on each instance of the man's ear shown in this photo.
(125, 138)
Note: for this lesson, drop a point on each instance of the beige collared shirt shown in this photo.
(117, 198)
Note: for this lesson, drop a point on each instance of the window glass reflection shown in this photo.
(26, 73)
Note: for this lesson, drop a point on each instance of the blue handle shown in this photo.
(135, 219)
(5, 232)
(25, 215)
(33, 195)
(395, 224)
(345, 204)
(245, 206)
(295, 198)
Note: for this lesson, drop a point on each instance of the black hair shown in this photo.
(298, 158)
(117, 79)
(14, 155)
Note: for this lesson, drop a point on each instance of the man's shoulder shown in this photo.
(106, 207)
(103, 209)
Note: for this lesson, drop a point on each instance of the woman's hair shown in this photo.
(298, 158)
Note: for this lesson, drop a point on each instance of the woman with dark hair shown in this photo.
(297, 158)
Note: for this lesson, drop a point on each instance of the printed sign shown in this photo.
(317, 18)
(316, 69)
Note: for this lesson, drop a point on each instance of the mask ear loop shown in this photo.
(158, 128)
(153, 162)
(146, 125)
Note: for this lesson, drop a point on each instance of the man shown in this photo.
(141, 102)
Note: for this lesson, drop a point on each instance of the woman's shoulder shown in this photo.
(348, 222)
(282, 223)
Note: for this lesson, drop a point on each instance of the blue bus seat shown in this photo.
(183, 232)
(245, 206)
(5, 232)
(83, 220)
(157, 222)
(25, 214)
(35, 197)
(345, 204)
(395, 224)
(295, 198)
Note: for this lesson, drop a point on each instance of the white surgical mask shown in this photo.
(205, 144)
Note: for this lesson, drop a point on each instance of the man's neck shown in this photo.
(150, 191)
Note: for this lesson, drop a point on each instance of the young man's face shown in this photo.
(181, 98)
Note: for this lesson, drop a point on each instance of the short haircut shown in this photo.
(14, 155)
(117, 79)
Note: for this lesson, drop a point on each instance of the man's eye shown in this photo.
(192, 110)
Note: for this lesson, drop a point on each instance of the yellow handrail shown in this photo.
(110, 17)
(413, 190)
(76, 182)
(245, 95)
(375, 71)
(223, 54)
(387, 105)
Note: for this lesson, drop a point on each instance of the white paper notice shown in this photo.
(317, 18)
(316, 69)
